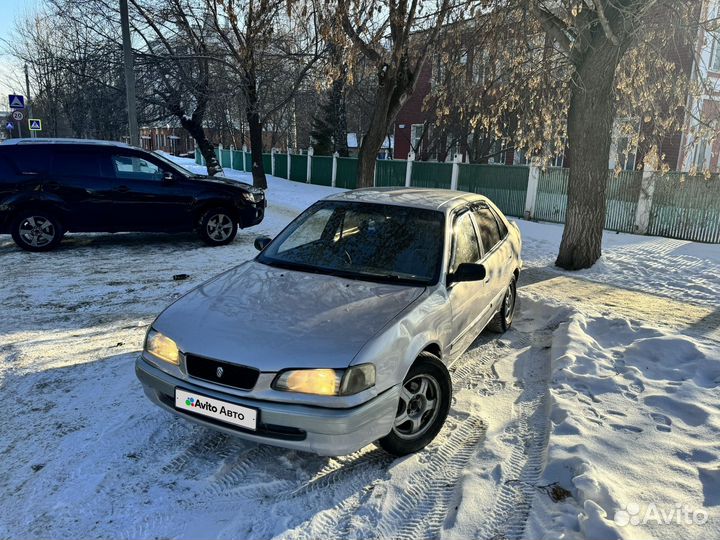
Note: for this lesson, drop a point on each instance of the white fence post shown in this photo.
(244, 151)
(232, 153)
(309, 163)
(288, 163)
(408, 168)
(532, 189)
(334, 169)
(644, 205)
(272, 161)
(457, 159)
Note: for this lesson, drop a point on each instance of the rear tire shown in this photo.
(218, 227)
(504, 317)
(36, 230)
(422, 409)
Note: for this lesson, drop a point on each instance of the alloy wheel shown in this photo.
(219, 227)
(418, 406)
(37, 231)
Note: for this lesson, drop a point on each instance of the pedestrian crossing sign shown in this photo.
(35, 124)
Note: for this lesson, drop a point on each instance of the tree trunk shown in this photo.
(395, 87)
(590, 123)
(194, 127)
(255, 128)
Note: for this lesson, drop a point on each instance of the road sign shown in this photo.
(35, 124)
(9, 126)
(16, 102)
(17, 115)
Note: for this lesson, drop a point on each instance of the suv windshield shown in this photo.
(172, 164)
(362, 241)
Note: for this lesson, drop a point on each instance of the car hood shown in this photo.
(223, 181)
(274, 319)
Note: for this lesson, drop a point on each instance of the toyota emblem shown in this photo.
(219, 372)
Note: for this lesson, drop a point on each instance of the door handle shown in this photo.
(122, 189)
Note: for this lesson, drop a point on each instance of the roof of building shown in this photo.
(432, 199)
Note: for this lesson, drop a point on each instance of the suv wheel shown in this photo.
(422, 409)
(218, 227)
(36, 230)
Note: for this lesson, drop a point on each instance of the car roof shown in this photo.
(80, 142)
(443, 200)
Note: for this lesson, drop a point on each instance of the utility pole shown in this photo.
(27, 97)
(129, 75)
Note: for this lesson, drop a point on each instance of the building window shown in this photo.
(715, 53)
(700, 154)
(416, 134)
(626, 154)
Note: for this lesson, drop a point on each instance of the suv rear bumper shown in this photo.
(324, 431)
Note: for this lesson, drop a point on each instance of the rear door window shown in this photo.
(77, 164)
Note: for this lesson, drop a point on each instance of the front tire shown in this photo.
(218, 227)
(36, 230)
(422, 408)
(504, 317)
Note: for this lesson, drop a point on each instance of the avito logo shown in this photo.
(204, 405)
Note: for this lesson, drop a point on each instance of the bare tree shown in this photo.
(395, 36)
(271, 46)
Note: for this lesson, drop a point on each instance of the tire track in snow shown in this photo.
(528, 435)
(422, 505)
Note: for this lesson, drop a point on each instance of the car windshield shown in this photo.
(362, 241)
(179, 168)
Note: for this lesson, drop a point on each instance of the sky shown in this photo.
(10, 11)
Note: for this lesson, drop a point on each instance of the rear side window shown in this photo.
(489, 230)
(30, 160)
(7, 170)
(77, 164)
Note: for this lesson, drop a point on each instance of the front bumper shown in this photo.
(324, 431)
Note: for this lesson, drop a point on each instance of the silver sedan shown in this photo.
(339, 333)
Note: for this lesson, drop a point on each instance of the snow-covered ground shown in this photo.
(596, 416)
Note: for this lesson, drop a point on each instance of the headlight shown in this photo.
(253, 196)
(162, 347)
(327, 382)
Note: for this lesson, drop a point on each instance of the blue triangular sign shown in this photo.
(17, 102)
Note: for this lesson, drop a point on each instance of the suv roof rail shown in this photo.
(66, 141)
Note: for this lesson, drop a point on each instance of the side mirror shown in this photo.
(261, 242)
(168, 177)
(467, 272)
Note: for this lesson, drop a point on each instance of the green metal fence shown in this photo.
(621, 197)
(237, 160)
(267, 163)
(321, 173)
(505, 185)
(686, 207)
(390, 172)
(298, 167)
(225, 158)
(346, 176)
(248, 162)
(281, 165)
(431, 174)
